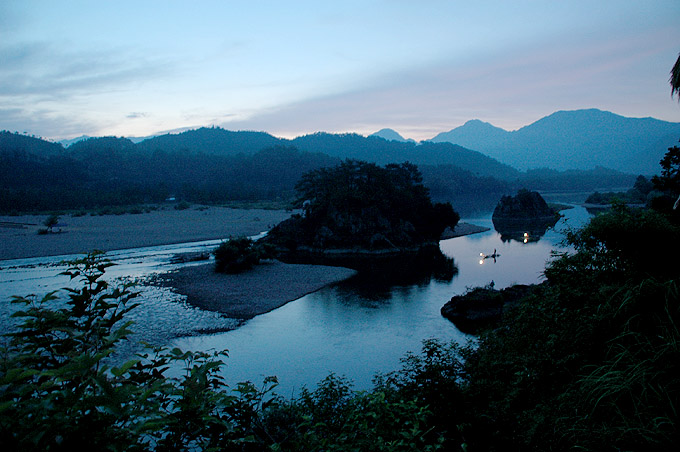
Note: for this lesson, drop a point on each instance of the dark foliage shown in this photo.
(60, 391)
(112, 172)
(670, 171)
(641, 193)
(545, 179)
(588, 361)
(362, 204)
(240, 254)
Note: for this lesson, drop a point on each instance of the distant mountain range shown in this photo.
(220, 142)
(390, 135)
(67, 143)
(579, 139)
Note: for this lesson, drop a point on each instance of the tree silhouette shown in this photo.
(675, 79)
(675, 89)
(51, 222)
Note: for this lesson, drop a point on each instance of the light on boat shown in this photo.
(481, 261)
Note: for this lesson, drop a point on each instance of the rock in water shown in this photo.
(524, 217)
(527, 205)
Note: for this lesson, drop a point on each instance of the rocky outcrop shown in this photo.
(483, 307)
(524, 217)
(526, 205)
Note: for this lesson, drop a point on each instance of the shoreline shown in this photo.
(462, 229)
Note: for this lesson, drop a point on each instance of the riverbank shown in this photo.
(462, 229)
(243, 296)
(19, 236)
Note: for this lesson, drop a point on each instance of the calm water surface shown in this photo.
(356, 329)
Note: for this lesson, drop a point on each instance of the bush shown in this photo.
(182, 205)
(240, 254)
(59, 389)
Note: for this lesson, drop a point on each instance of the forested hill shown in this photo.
(378, 150)
(217, 141)
(17, 143)
(36, 175)
(215, 166)
(213, 140)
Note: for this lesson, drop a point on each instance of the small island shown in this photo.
(360, 215)
(524, 217)
(483, 307)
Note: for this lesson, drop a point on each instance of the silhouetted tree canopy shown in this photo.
(675, 78)
(361, 203)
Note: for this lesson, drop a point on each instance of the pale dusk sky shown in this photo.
(137, 68)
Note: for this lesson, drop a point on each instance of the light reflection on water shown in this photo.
(356, 331)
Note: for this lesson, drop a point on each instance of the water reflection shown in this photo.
(523, 231)
(483, 257)
(366, 324)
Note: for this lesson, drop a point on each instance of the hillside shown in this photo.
(16, 142)
(213, 165)
(579, 139)
(377, 150)
(213, 140)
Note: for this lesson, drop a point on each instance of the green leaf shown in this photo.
(119, 371)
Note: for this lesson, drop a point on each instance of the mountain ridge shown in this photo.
(391, 135)
(575, 139)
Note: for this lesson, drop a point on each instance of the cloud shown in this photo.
(43, 122)
(136, 115)
(42, 70)
(509, 89)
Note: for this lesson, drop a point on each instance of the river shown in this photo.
(355, 328)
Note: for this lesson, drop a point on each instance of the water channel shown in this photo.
(356, 329)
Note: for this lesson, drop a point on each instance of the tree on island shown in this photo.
(357, 204)
(240, 254)
(675, 79)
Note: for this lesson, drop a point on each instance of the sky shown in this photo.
(143, 67)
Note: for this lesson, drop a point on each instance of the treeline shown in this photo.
(546, 179)
(111, 172)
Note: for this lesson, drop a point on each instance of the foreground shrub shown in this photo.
(62, 388)
(60, 391)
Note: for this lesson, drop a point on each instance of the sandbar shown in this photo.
(19, 236)
(266, 287)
